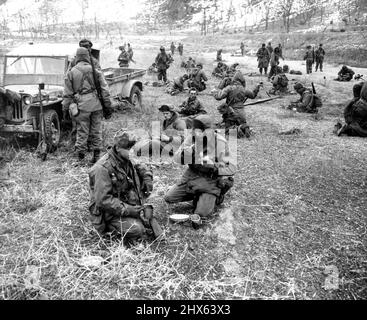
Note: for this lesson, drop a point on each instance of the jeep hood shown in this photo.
(33, 89)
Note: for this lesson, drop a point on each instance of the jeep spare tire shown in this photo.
(135, 98)
(52, 130)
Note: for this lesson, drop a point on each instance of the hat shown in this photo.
(165, 108)
(202, 122)
(320, 44)
(298, 86)
(85, 42)
(82, 52)
(161, 48)
(308, 47)
(124, 139)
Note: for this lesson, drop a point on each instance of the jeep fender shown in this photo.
(128, 85)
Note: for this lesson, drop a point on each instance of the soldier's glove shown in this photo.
(133, 211)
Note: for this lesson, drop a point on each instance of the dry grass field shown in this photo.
(292, 227)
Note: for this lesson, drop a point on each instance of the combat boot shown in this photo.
(96, 155)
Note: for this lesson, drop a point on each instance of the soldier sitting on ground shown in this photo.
(345, 74)
(198, 78)
(171, 134)
(177, 85)
(192, 106)
(235, 95)
(233, 76)
(118, 187)
(280, 82)
(220, 70)
(211, 167)
(355, 114)
(308, 103)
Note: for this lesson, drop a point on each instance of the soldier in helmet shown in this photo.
(80, 89)
(308, 102)
(310, 59)
(198, 78)
(210, 171)
(162, 61)
(124, 58)
(118, 188)
(85, 43)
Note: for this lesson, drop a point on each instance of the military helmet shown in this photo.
(162, 48)
(298, 86)
(124, 139)
(202, 122)
(199, 65)
(357, 88)
(85, 43)
(165, 108)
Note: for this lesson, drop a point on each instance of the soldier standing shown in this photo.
(269, 48)
(124, 58)
(130, 52)
(80, 88)
(274, 61)
(180, 49)
(173, 47)
(263, 56)
(162, 61)
(310, 59)
(319, 55)
(242, 47)
(219, 55)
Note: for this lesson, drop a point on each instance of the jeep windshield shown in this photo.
(32, 70)
(35, 65)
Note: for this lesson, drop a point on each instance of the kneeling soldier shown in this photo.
(210, 168)
(118, 188)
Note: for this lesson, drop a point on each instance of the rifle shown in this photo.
(260, 101)
(42, 146)
(148, 214)
(107, 113)
(313, 88)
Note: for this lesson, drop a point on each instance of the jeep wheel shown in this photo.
(135, 98)
(52, 130)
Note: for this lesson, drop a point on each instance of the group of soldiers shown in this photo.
(120, 187)
(125, 56)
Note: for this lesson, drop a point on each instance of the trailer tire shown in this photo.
(52, 130)
(135, 98)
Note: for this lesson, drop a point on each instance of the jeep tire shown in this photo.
(52, 130)
(135, 98)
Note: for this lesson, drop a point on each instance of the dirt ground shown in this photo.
(292, 227)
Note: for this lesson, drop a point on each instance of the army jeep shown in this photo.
(29, 66)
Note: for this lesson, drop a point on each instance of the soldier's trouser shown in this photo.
(205, 204)
(162, 75)
(265, 70)
(309, 66)
(319, 64)
(272, 71)
(89, 125)
(354, 129)
(127, 227)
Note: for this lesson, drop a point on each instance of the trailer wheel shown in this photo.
(135, 98)
(52, 130)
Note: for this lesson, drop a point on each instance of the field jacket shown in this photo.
(114, 184)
